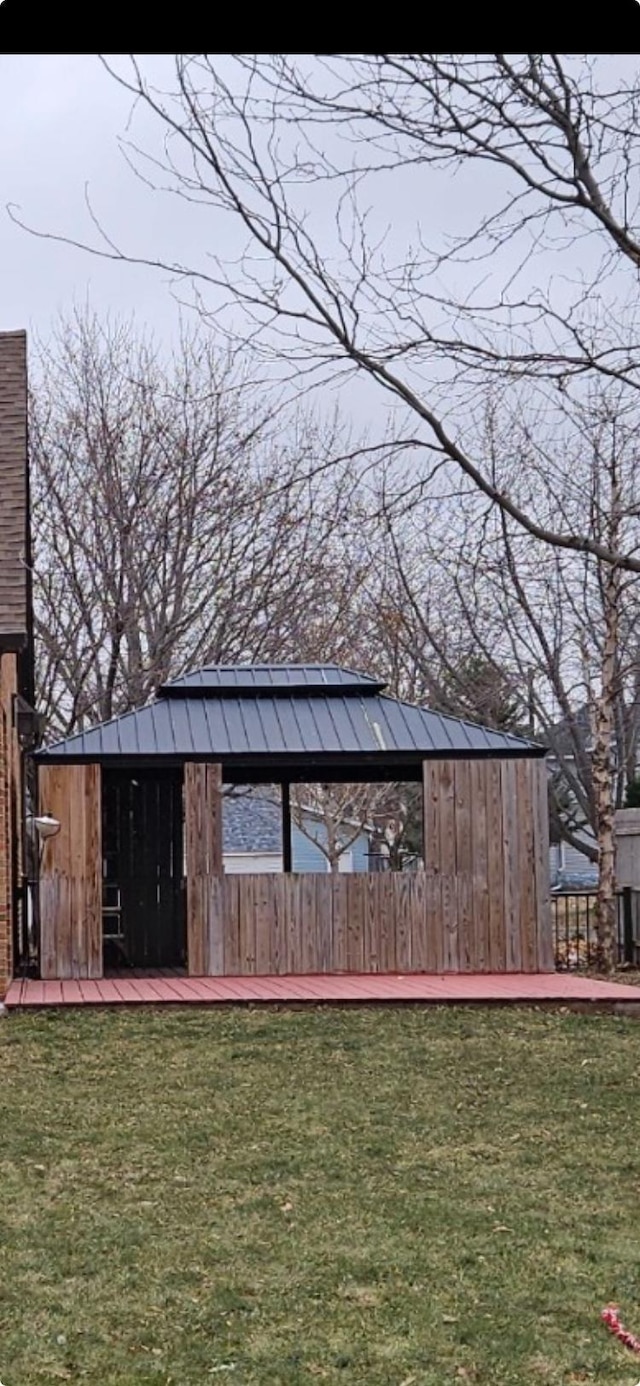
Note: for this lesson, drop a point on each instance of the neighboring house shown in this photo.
(570, 869)
(252, 839)
(16, 692)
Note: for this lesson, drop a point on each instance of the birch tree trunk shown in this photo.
(603, 774)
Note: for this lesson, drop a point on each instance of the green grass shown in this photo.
(396, 1197)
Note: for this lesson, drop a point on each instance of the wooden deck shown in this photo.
(426, 988)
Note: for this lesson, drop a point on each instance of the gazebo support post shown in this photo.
(287, 854)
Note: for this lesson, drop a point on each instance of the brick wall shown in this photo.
(14, 620)
(10, 793)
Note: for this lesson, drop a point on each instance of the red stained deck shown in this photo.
(431, 989)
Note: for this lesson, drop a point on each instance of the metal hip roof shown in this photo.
(257, 726)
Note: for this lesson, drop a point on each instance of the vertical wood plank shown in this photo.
(324, 921)
(71, 873)
(403, 908)
(311, 940)
(431, 854)
(464, 866)
(246, 925)
(355, 922)
(511, 861)
(430, 816)
(278, 959)
(339, 922)
(265, 910)
(447, 863)
(292, 915)
(480, 871)
(371, 944)
(495, 869)
(524, 814)
(387, 933)
(545, 960)
(214, 906)
(434, 938)
(419, 944)
(203, 853)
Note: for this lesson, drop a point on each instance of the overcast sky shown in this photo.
(59, 122)
(60, 119)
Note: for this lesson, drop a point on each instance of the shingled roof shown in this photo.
(13, 490)
(297, 720)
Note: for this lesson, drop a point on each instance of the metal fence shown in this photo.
(574, 929)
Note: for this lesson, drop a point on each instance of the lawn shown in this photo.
(396, 1197)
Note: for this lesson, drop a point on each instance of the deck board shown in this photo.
(348, 988)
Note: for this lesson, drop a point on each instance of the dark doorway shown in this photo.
(143, 915)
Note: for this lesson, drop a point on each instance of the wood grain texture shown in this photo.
(495, 867)
(545, 961)
(511, 866)
(419, 938)
(480, 866)
(486, 865)
(446, 772)
(525, 809)
(203, 854)
(71, 872)
(355, 911)
(464, 867)
(403, 922)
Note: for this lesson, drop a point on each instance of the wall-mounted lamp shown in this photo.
(46, 826)
(43, 826)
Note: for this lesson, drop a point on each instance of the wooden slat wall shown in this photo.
(487, 865)
(203, 853)
(71, 872)
(313, 923)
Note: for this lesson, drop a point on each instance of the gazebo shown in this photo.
(137, 861)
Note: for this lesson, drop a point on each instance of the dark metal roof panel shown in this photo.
(277, 679)
(258, 726)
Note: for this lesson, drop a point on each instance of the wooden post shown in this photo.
(203, 852)
(71, 872)
(287, 852)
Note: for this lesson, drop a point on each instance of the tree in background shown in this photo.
(176, 521)
(334, 816)
(304, 156)
(540, 640)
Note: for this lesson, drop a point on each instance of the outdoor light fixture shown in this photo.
(46, 826)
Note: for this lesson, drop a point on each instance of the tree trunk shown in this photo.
(603, 782)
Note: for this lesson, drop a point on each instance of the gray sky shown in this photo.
(59, 122)
(60, 118)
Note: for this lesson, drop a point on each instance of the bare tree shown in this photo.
(176, 521)
(334, 816)
(558, 630)
(305, 156)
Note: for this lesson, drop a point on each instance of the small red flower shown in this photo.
(610, 1316)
